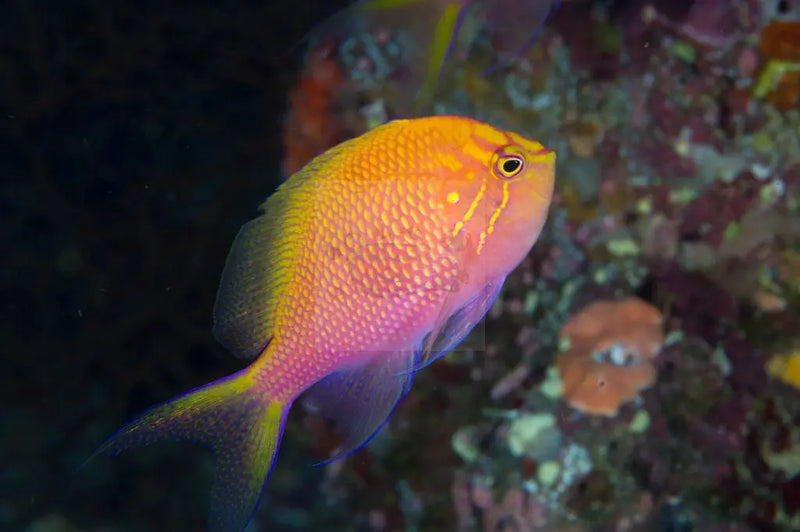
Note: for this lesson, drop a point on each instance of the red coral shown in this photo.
(312, 124)
(781, 40)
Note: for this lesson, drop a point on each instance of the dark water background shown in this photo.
(135, 139)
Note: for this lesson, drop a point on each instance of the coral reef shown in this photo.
(639, 372)
(653, 330)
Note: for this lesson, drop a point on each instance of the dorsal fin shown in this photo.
(259, 265)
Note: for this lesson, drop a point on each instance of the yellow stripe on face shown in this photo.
(470, 211)
(490, 135)
(479, 154)
(485, 140)
(495, 215)
(451, 162)
(529, 145)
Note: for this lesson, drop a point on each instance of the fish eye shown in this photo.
(511, 165)
(508, 165)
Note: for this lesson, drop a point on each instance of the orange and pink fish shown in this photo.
(376, 258)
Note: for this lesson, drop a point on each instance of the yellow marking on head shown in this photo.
(450, 161)
(471, 210)
(500, 209)
(453, 197)
(495, 215)
(490, 134)
(478, 153)
(527, 144)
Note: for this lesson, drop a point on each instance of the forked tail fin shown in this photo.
(234, 419)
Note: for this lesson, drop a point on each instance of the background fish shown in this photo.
(376, 258)
(513, 25)
(433, 32)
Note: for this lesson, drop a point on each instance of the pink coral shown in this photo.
(608, 360)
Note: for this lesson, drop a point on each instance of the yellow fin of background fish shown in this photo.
(431, 29)
(435, 30)
(443, 36)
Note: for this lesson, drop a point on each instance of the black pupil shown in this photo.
(511, 165)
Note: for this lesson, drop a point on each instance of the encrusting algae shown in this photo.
(607, 360)
(373, 260)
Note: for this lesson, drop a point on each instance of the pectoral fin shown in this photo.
(451, 329)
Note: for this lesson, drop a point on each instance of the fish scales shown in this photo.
(347, 257)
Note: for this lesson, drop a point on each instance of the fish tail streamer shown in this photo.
(237, 421)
